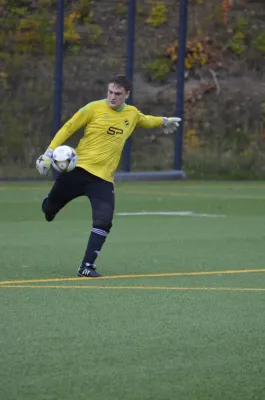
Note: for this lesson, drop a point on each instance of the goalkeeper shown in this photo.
(107, 125)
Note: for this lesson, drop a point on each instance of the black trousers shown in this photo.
(79, 182)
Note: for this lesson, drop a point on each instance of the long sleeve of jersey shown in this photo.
(149, 121)
(80, 119)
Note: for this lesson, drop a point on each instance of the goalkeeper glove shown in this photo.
(170, 124)
(44, 162)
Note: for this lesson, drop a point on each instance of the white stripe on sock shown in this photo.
(99, 232)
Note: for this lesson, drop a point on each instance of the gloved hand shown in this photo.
(44, 162)
(170, 124)
(74, 161)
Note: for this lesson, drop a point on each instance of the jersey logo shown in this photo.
(114, 131)
(127, 123)
(106, 116)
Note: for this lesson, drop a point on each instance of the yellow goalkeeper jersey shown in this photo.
(105, 133)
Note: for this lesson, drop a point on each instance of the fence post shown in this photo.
(129, 74)
(183, 22)
(58, 75)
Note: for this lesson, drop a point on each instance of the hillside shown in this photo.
(225, 69)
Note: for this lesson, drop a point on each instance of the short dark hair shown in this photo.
(121, 80)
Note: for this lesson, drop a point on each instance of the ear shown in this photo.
(127, 95)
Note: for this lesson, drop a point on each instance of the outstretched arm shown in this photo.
(149, 121)
(169, 125)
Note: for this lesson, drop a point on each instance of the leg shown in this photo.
(101, 195)
(66, 188)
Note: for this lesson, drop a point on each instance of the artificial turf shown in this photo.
(179, 313)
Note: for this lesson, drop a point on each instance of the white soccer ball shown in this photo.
(64, 159)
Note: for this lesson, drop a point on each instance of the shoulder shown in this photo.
(92, 105)
(132, 109)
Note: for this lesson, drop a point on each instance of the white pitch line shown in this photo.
(170, 213)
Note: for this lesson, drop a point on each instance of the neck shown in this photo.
(118, 108)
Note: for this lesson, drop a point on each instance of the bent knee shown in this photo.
(49, 210)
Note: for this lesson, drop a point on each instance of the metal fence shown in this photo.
(223, 130)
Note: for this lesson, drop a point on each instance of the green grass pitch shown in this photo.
(178, 315)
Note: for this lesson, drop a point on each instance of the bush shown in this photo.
(158, 70)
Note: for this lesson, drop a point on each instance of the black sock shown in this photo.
(95, 243)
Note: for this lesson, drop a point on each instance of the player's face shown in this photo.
(116, 96)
